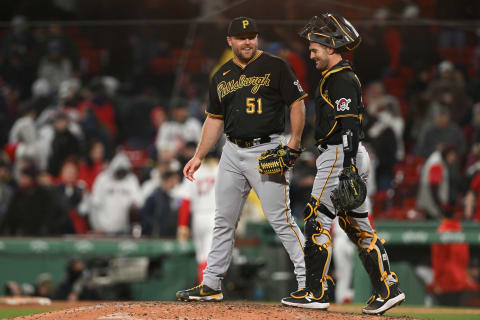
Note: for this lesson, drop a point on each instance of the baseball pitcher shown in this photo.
(248, 99)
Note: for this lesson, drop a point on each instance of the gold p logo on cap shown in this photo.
(245, 23)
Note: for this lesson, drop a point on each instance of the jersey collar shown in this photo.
(257, 54)
(343, 64)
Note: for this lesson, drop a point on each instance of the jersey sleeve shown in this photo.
(214, 107)
(290, 87)
(344, 98)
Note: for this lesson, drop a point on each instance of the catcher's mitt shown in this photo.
(351, 190)
(277, 160)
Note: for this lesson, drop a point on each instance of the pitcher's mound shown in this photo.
(191, 311)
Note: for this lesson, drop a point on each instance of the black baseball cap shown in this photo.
(241, 25)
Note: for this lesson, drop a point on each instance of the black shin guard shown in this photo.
(375, 260)
(317, 255)
(373, 256)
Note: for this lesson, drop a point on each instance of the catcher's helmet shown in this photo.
(332, 31)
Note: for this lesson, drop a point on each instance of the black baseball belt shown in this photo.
(246, 143)
(322, 147)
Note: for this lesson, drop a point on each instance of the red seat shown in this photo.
(380, 204)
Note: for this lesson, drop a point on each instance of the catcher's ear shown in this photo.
(229, 41)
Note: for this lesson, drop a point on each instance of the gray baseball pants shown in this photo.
(237, 174)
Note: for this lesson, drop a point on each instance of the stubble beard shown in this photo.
(245, 58)
(321, 64)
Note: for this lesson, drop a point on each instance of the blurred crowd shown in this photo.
(85, 149)
(76, 285)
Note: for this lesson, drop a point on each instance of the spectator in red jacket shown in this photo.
(451, 283)
(438, 185)
(102, 106)
(89, 169)
(472, 199)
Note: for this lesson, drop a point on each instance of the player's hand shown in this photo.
(293, 144)
(191, 167)
(183, 233)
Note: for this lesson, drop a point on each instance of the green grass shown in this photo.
(420, 312)
(437, 316)
(11, 313)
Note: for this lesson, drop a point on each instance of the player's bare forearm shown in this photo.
(210, 132)
(212, 128)
(297, 122)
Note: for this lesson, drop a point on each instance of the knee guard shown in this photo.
(352, 231)
(313, 206)
(373, 256)
(317, 255)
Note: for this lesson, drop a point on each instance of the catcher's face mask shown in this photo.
(332, 31)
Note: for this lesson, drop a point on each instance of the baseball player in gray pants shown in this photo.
(339, 132)
(248, 99)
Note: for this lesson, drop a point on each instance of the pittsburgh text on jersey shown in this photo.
(224, 88)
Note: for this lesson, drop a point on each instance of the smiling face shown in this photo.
(320, 54)
(244, 46)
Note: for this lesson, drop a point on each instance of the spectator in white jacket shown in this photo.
(115, 198)
(55, 66)
(175, 133)
(24, 133)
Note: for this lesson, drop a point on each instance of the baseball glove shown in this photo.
(351, 190)
(277, 160)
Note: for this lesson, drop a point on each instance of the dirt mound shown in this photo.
(192, 311)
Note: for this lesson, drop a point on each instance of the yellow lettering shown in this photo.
(221, 90)
(224, 88)
(245, 24)
(250, 105)
(250, 102)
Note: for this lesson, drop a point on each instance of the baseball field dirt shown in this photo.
(224, 310)
(192, 310)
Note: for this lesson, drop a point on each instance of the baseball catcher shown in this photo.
(342, 167)
(277, 160)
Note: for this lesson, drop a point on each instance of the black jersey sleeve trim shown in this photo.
(298, 99)
(212, 115)
(348, 115)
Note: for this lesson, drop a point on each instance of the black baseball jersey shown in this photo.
(337, 96)
(252, 100)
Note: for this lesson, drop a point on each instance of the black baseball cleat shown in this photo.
(305, 299)
(376, 305)
(200, 293)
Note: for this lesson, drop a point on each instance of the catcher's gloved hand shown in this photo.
(351, 190)
(277, 160)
